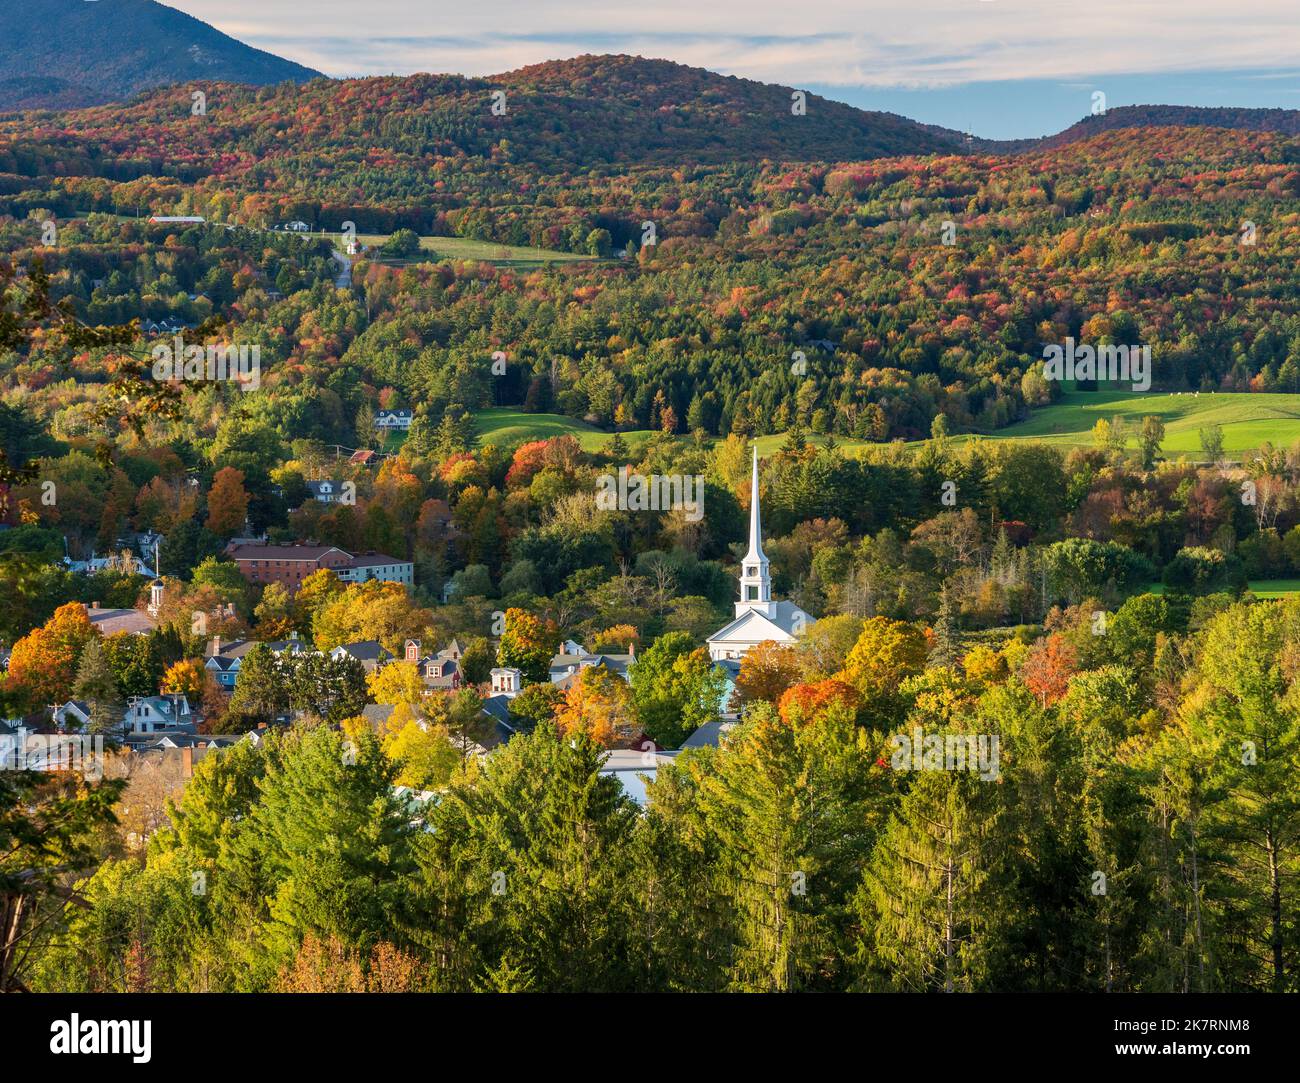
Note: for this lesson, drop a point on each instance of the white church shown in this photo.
(758, 617)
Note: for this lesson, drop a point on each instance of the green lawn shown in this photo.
(1261, 588)
(1247, 420)
(1275, 588)
(509, 427)
(484, 251)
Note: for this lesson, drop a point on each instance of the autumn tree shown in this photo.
(598, 704)
(528, 644)
(766, 671)
(886, 653)
(227, 502)
(43, 664)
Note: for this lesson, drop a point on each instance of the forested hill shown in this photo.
(554, 117)
(68, 53)
(1283, 121)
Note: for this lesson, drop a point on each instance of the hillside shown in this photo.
(89, 53)
(1283, 121)
(558, 116)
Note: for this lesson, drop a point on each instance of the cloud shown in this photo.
(862, 43)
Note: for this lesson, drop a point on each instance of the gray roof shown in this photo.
(377, 714)
(708, 735)
(112, 621)
(365, 650)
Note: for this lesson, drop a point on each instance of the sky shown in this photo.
(997, 68)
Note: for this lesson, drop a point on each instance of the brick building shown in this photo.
(291, 564)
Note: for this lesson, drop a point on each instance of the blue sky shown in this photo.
(999, 68)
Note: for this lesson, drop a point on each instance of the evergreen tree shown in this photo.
(97, 685)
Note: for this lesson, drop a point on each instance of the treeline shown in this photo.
(1134, 830)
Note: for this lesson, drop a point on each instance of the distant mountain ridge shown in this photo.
(88, 52)
(1283, 121)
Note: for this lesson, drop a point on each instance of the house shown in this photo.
(565, 667)
(94, 565)
(372, 565)
(393, 419)
(634, 768)
(362, 457)
(441, 671)
(177, 219)
(369, 652)
(758, 617)
(73, 715)
(169, 325)
(296, 226)
(224, 660)
(155, 714)
(327, 492)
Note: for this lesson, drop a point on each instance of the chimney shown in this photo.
(187, 763)
(216, 646)
(261, 725)
(94, 605)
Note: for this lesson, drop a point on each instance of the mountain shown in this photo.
(636, 110)
(93, 51)
(1283, 121)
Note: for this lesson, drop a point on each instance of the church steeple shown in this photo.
(755, 578)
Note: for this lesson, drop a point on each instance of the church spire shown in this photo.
(755, 578)
(755, 518)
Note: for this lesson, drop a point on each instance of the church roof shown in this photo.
(787, 620)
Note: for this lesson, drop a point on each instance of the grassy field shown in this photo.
(1261, 588)
(1275, 588)
(508, 427)
(1247, 420)
(505, 255)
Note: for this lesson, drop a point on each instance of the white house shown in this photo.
(154, 714)
(393, 419)
(327, 492)
(758, 616)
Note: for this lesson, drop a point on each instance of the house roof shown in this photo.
(112, 621)
(317, 487)
(377, 714)
(365, 650)
(281, 552)
(708, 735)
(370, 560)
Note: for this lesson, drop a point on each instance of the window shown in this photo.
(751, 571)
(751, 593)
